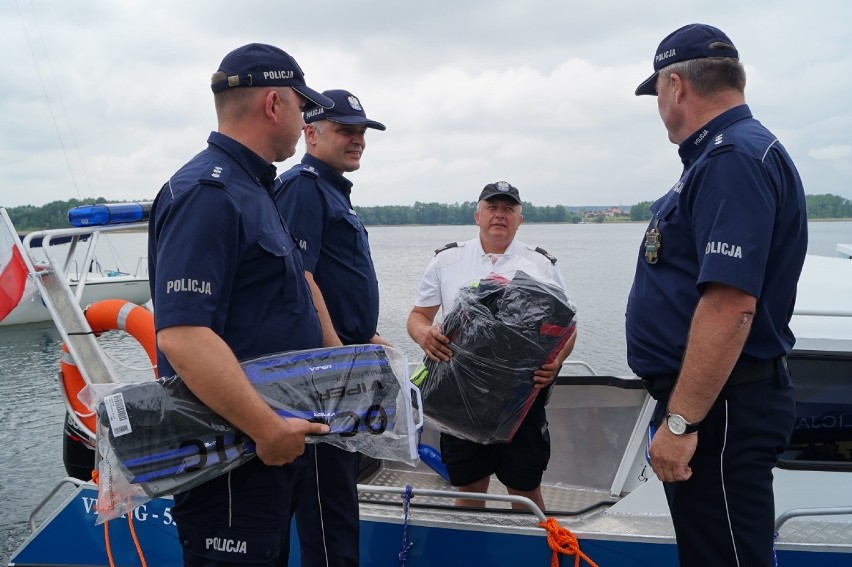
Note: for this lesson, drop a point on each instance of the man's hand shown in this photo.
(284, 441)
(670, 454)
(379, 340)
(546, 374)
(428, 336)
(434, 343)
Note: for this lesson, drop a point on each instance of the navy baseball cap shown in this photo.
(261, 65)
(689, 42)
(500, 189)
(347, 109)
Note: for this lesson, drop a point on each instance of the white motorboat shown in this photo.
(87, 279)
(598, 487)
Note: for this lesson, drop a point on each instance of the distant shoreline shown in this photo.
(841, 219)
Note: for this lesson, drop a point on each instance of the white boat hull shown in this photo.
(31, 309)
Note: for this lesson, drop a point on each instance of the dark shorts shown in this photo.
(238, 518)
(519, 464)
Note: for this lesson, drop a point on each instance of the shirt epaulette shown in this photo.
(309, 171)
(721, 150)
(723, 143)
(448, 246)
(546, 254)
(215, 174)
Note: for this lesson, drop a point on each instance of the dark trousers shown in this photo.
(725, 513)
(327, 507)
(239, 518)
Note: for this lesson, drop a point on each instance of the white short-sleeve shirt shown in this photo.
(467, 262)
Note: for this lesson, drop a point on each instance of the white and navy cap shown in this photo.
(347, 109)
(689, 42)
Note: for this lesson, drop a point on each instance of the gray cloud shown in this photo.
(536, 92)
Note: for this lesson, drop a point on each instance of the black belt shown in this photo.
(746, 373)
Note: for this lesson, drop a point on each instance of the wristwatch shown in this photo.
(679, 426)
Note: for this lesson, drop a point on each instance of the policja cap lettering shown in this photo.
(347, 109)
(689, 42)
(262, 65)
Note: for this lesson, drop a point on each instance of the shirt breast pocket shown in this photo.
(358, 238)
(282, 261)
(664, 207)
(278, 244)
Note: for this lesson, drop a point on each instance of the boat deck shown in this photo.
(594, 514)
(560, 500)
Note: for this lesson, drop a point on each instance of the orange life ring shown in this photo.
(107, 315)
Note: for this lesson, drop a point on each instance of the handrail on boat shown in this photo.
(67, 480)
(400, 490)
(579, 363)
(799, 512)
(823, 313)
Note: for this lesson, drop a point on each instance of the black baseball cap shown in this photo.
(500, 189)
(262, 65)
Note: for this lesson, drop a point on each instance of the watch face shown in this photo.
(676, 423)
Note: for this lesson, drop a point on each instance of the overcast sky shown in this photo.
(108, 98)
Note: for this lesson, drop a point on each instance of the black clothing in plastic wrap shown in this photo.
(500, 332)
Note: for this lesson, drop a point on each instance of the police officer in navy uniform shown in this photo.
(227, 284)
(520, 464)
(314, 199)
(708, 313)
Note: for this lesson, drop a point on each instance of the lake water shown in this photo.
(596, 260)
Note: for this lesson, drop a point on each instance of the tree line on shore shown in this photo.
(55, 214)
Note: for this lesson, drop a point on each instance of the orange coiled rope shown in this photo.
(95, 478)
(561, 540)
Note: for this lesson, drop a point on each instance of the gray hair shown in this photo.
(711, 75)
(319, 126)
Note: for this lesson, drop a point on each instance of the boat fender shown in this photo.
(107, 315)
(448, 246)
(545, 253)
(432, 457)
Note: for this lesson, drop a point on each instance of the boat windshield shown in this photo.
(822, 439)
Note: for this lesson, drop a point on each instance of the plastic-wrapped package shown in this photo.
(501, 330)
(156, 438)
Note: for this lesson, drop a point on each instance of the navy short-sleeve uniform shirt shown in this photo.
(737, 217)
(220, 256)
(314, 202)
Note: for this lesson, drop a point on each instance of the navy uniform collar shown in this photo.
(258, 168)
(694, 145)
(328, 174)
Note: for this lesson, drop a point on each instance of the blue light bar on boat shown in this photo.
(108, 213)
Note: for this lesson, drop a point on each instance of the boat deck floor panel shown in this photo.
(825, 531)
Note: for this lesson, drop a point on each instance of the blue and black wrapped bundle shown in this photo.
(160, 438)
